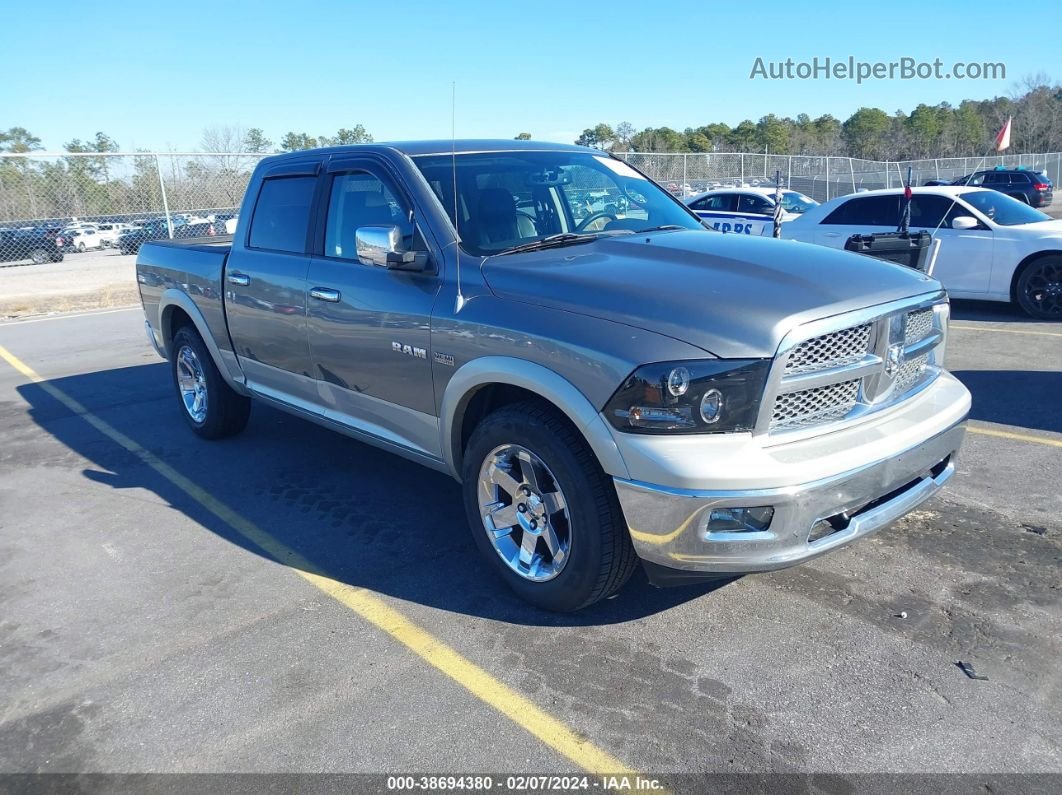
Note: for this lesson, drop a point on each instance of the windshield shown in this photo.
(793, 202)
(510, 199)
(1002, 209)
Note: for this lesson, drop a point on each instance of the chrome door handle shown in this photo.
(324, 294)
(831, 234)
(239, 279)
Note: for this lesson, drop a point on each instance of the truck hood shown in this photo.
(731, 295)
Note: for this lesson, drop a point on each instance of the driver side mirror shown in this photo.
(381, 246)
(964, 222)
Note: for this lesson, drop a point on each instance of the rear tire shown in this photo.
(210, 406)
(531, 449)
(1039, 288)
(39, 256)
(80, 248)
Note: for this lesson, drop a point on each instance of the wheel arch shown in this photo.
(176, 308)
(1038, 255)
(491, 381)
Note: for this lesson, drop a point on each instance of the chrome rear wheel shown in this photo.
(191, 381)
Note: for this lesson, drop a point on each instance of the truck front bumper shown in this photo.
(673, 527)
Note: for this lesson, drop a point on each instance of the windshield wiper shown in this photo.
(661, 228)
(561, 239)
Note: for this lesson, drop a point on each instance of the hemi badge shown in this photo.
(444, 358)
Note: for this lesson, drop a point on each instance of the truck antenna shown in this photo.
(453, 165)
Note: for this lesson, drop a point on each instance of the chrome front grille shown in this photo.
(919, 325)
(815, 405)
(825, 351)
(910, 372)
(842, 368)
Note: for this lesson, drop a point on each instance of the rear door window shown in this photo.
(867, 211)
(282, 214)
(718, 202)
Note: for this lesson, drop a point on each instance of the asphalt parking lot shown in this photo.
(293, 601)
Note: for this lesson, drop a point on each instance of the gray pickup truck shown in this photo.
(608, 379)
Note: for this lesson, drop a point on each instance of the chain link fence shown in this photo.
(181, 192)
(819, 177)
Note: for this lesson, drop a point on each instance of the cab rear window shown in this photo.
(282, 214)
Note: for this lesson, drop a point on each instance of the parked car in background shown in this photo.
(38, 245)
(993, 247)
(748, 211)
(83, 239)
(222, 223)
(195, 229)
(110, 232)
(1032, 187)
(156, 229)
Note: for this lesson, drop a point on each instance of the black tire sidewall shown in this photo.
(1021, 288)
(575, 584)
(39, 256)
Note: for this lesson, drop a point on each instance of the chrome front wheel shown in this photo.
(524, 513)
(191, 381)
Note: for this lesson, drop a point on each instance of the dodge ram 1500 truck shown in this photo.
(608, 385)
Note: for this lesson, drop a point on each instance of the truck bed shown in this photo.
(193, 266)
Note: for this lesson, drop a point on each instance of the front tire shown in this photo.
(1039, 288)
(210, 406)
(542, 511)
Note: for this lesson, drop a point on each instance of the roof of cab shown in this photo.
(446, 146)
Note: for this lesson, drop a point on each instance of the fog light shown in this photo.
(740, 520)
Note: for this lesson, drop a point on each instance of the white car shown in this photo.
(83, 239)
(747, 211)
(109, 232)
(992, 247)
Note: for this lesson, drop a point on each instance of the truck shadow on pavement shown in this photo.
(359, 515)
(1022, 398)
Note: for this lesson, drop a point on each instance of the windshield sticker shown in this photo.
(619, 167)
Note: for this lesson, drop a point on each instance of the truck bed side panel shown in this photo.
(195, 267)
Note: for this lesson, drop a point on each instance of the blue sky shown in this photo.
(154, 77)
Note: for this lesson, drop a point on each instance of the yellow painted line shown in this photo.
(1007, 330)
(520, 710)
(1017, 437)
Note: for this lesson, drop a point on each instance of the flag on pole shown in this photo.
(1003, 136)
(777, 232)
(905, 208)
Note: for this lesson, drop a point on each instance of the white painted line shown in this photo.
(68, 316)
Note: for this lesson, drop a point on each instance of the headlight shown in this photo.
(710, 396)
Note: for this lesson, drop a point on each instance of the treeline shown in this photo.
(88, 183)
(928, 131)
